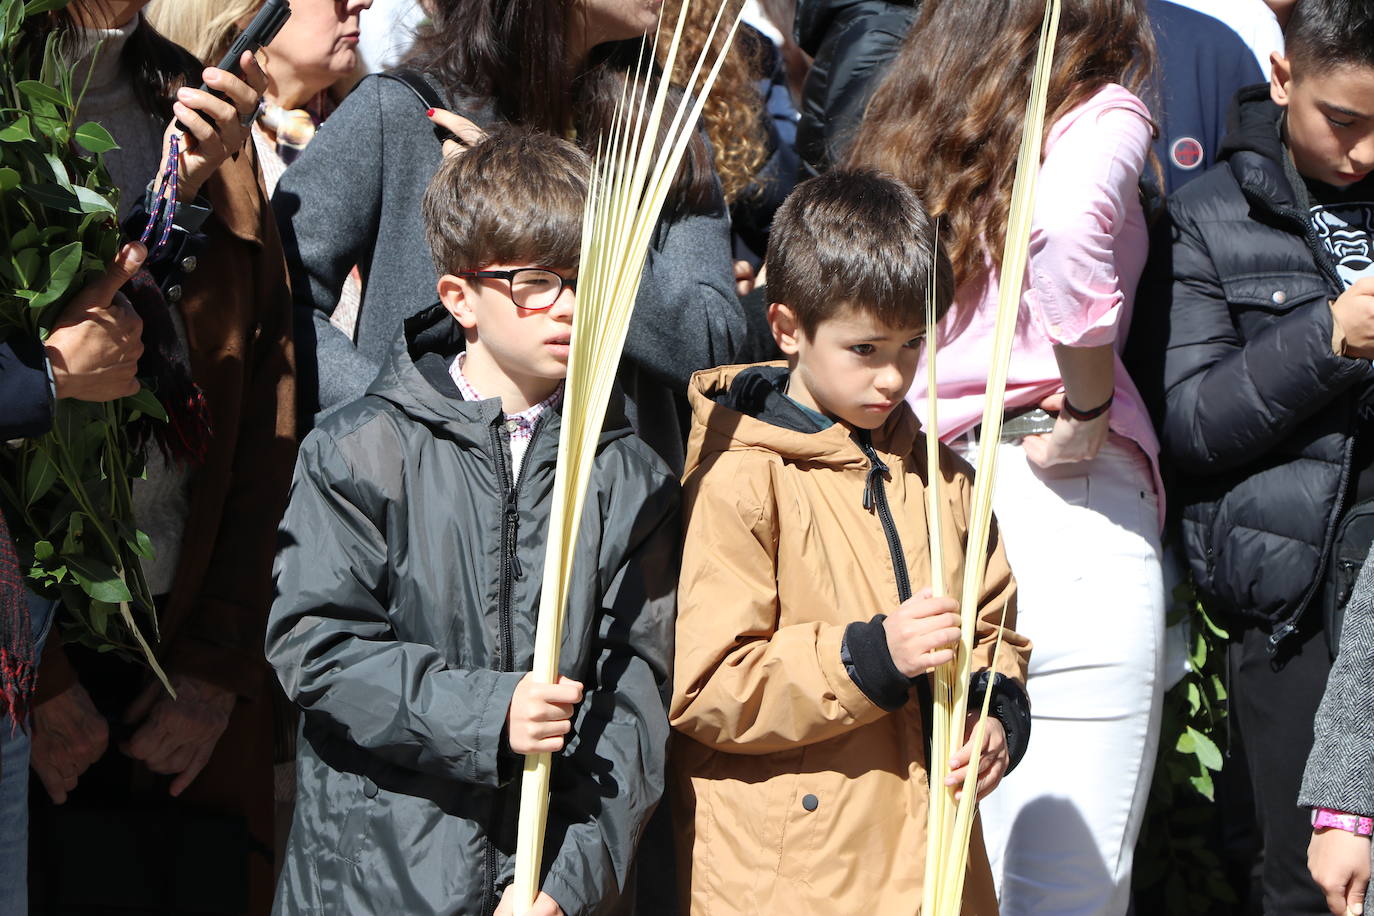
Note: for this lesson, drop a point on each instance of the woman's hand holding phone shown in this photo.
(216, 128)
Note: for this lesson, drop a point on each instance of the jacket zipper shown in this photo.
(1285, 629)
(875, 500)
(511, 570)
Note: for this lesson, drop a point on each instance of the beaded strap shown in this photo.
(163, 210)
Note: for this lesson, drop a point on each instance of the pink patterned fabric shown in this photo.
(1088, 246)
(1350, 823)
(520, 425)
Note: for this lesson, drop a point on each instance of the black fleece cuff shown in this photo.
(1010, 706)
(869, 664)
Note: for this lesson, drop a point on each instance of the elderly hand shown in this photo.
(69, 734)
(95, 346)
(207, 145)
(178, 735)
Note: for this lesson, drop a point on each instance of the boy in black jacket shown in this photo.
(1265, 379)
(409, 578)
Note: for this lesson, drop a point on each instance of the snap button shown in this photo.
(512, 426)
(1279, 297)
(810, 802)
(188, 263)
(174, 293)
(369, 788)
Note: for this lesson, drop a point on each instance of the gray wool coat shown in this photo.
(353, 197)
(1340, 769)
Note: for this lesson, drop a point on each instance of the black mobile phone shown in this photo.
(260, 32)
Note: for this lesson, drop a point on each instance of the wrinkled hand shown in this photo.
(69, 735)
(922, 632)
(1070, 441)
(206, 147)
(95, 346)
(1354, 312)
(993, 763)
(178, 736)
(468, 133)
(745, 280)
(541, 714)
(1339, 863)
(543, 905)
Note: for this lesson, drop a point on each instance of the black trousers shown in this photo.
(1274, 700)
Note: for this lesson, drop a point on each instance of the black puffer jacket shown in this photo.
(1259, 414)
(408, 587)
(852, 42)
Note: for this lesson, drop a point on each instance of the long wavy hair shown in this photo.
(733, 115)
(948, 116)
(515, 53)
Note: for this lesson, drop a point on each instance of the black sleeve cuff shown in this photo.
(1010, 706)
(866, 658)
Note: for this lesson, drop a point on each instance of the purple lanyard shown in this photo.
(165, 203)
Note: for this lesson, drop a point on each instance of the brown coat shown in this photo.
(794, 792)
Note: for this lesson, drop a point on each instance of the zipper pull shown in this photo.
(1278, 636)
(870, 487)
(876, 470)
(512, 527)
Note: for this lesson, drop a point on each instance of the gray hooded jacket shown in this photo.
(407, 595)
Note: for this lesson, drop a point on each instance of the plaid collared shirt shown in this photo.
(520, 426)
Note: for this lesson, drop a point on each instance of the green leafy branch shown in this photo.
(67, 494)
(1177, 869)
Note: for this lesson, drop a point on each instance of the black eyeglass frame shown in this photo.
(509, 277)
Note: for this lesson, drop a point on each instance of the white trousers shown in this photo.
(1083, 543)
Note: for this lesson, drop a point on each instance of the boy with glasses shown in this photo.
(409, 578)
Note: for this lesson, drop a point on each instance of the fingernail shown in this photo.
(429, 112)
(185, 92)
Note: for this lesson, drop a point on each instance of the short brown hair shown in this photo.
(856, 239)
(517, 195)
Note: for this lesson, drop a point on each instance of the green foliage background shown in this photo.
(1177, 868)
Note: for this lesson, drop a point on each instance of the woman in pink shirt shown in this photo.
(1078, 495)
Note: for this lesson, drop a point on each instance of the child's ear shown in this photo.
(1280, 78)
(454, 294)
(786, 329)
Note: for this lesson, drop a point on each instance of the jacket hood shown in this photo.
(1254, 150)
(742, 407)
(817, 19)
(415, 378)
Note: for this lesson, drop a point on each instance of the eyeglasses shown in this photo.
(531, 288)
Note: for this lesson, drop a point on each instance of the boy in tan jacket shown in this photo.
(805, 625)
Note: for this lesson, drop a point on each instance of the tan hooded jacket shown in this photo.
(794, 792)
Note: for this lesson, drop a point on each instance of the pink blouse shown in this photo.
(1088, 247)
